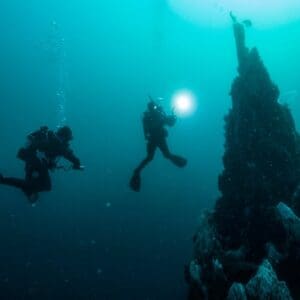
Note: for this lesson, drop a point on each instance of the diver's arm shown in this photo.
(170, 120)
(70, 156)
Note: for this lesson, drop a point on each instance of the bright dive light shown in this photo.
(216, 12)
(183, 103)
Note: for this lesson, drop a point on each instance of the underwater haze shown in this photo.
(92, 65)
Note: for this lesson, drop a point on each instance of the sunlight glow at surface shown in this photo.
(216, 12)
(184, 103)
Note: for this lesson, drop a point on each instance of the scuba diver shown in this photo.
(40, 155)
(154, 122)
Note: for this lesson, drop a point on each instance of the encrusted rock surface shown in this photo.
(265, 285)
(237, 292)
(252, 237)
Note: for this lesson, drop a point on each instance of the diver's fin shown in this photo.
(179, 161)
(31, 195)
(33, 198)
(135, 182)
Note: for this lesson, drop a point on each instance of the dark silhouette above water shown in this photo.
(154, 122)
(40, 155)
(252, 237)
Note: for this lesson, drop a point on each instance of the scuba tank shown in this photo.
(38, 135)
(33, 140)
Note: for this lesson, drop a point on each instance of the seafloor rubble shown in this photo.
(249, 246)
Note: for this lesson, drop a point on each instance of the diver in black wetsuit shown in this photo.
(154, 122)
(40, 155)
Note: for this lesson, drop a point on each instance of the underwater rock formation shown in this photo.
(263, 286)
(237, 292)
(254, 231)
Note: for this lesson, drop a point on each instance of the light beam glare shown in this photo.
(183, 103)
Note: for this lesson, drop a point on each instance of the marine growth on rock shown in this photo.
(253, 232)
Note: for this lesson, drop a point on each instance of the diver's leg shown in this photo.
(26, 185)
(39, 177)
(175, 159)
(151, 148)
(44, 180)
(14, 182)
(135, 181)
(32, 173)
(17, 182)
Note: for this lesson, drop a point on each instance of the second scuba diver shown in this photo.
(40, 155)
(154, 122)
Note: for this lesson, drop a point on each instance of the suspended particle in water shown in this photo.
(99, 271)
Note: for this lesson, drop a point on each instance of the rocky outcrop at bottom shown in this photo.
(251, 240)
(237, 292)
(217, 272)
(263, 286)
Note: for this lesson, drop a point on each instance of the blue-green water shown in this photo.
(91, 237)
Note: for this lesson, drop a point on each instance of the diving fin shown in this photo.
(33, 198)
(179, 161)
(135, 182)
(31, 195)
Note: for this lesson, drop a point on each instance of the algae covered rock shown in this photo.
(263, 286)
(290, 221)
(237, 292)
(266, 286)
(250, 224)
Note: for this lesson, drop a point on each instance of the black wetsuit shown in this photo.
(154, 122)
(40, 155)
